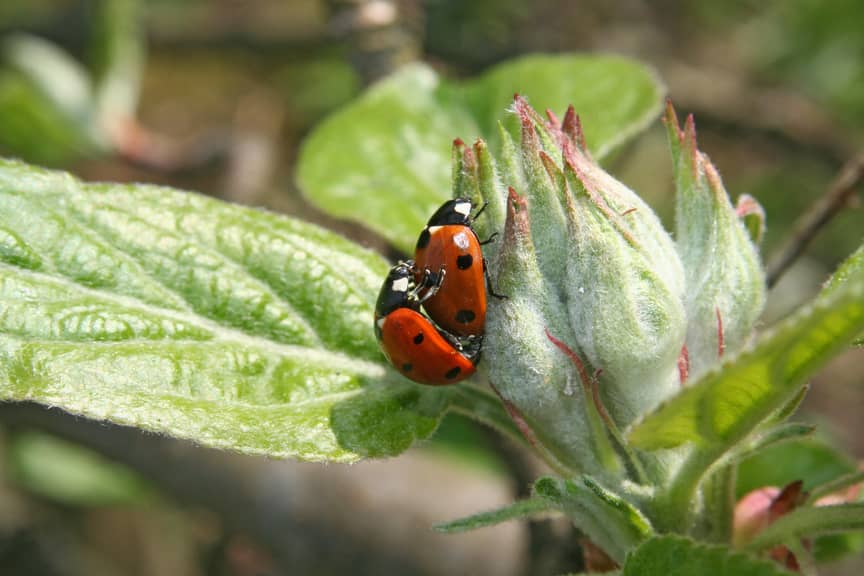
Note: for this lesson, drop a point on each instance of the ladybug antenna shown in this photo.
(480, 210)
(490, 239)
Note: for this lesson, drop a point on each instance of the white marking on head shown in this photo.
(433, 229)
(400, 285)
(461, 240)
(463, 208)
(381, 322)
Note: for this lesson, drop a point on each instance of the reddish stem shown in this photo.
(721, 345)
(518, 419)
(683, 365)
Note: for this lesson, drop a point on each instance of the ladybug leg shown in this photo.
(451, 339)
(420, 286)
(489, 239)
(473, 346)
(489, 284)
(431, 283)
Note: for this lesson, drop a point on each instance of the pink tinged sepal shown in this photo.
(724, 281)
(752, 215)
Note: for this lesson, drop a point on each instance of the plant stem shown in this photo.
(673, 506)
(820, 213)
(719, 491)
(842, 483)
(806, 564)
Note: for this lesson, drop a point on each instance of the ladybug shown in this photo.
(449, 244)
(411, 342)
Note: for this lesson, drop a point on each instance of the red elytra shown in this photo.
(419, 352)
(448, 243)
(409, 340)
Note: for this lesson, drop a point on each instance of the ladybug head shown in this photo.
(396, 290)
(455, 211)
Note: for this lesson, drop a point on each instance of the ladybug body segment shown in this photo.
(449, 243)
(419, 352)
(411, 342)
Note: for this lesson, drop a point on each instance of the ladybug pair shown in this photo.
(448, 279)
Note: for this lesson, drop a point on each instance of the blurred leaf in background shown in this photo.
(316, 84)
(69, 474)
(55, 108)
(818, 47)
(388, 152)
(47, 108)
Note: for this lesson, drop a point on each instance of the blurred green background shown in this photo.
(217, 95)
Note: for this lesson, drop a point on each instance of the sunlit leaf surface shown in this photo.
(180, 314)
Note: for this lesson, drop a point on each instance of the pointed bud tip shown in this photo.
(458, 143)
(572, 128)
(715, 183)
(524, 110)
(551, 167)
(516, 201)
(682, 139)
(553, 126)
(570, 115)
(573, 162)
(516, 224)
(689, 139)
(468, 158)
(670, 118)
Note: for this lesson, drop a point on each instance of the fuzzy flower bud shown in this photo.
(542, 390)
(624, 288)
(725, 283)
(591, 334)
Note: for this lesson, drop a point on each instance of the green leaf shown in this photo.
(67, 473)
(384, 160)
(516, 511)
(607, 519)
(47, 109)
(810, 521)
(727, 404)
(810, 460)
(677, 556)
(63, 80)
(834, 547)
(32, 128)
(851, 267)
(786, 432)
(615, 97)
(838, 484)
(180, 314)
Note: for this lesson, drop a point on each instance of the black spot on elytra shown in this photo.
(453, 373)
(464, 261)
(407, 367)
(418, 338)
(465, 316)
(423, 240)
